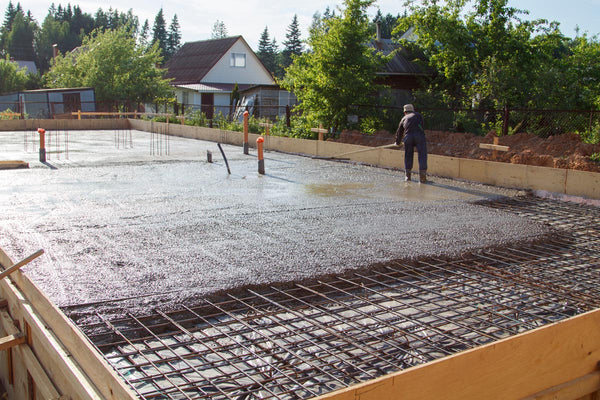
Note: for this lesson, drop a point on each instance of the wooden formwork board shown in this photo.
(558, 361)
(56, 360)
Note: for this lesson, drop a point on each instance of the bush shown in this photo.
(591, 136)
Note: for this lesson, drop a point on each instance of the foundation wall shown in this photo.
(62, 124)
(569, 182)
(555, 180)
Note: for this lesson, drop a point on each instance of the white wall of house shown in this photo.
(253, 72)
(222, 103)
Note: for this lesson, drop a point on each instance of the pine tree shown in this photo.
(19, 42)
(143, 36)
(219, 30)
(9, 16)
(173, 37)
(292, 44)
(100, 20)
(267, 51)
(159, 32)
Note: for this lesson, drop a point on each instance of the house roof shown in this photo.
(28, 65)
(400, 63)
(214, 87)
(195, 59)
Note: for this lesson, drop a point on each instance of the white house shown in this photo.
(204, 74)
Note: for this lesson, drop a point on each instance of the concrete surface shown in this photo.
(120, 222)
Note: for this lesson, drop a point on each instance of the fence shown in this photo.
(508, 121)
(543, 123)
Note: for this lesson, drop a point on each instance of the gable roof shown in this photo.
(195, 59)
(29, 66)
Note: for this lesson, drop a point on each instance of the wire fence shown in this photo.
(508, 121)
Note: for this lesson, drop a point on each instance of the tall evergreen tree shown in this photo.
(173, 37)
(9, 16)
(19, 42)
(143, 35)
(100, 20)
(292, 44)
(267, 51)
(159, 32)
(219, 30)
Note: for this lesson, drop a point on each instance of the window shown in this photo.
(238, 60)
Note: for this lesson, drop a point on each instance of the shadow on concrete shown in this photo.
(473, 192)
(47, 164)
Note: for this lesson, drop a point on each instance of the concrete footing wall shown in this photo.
(555, 180)
(62, 124)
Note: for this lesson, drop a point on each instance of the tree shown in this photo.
(387, 23)
(267, 51)
(159, 33)
(219, 30)
(173, 37)
(292, 44)
(19, 40)
(114, 66)
(143, 35)
(51, 32)
(12, 78)
(340, 70)
(485, 56)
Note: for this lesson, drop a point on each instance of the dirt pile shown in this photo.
(560, 151)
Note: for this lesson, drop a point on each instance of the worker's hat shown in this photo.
(408, 108)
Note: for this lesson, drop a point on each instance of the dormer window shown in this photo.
(238, 60)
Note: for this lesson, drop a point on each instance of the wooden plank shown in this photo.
(43, 384)
(20, 264)
(11, 341)
(56, 325)
(512, 368)
(497, 147)
(24, 353)
(575, 389)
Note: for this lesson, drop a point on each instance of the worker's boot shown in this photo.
(423, 176)
(407, 177)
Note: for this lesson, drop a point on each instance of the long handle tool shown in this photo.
(341, 155)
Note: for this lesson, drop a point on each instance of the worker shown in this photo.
(411, 132)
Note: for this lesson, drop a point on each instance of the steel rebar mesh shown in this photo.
(304, 340)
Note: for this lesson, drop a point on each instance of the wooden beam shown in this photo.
(320, 130)
(11, 341)
(20, 264)
(24, 354)
(497, 147)
(512, 368)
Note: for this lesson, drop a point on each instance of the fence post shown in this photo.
(246, 115)
(505, 121)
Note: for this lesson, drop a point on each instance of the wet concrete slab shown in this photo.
(129, 214)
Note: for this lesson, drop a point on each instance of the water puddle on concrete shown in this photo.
(398, 191)
(337, 190)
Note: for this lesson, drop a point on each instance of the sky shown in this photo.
(250, 17)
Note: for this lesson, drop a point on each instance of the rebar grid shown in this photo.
(304, 340)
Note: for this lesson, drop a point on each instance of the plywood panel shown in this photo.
(509, 369)
(583, 183)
